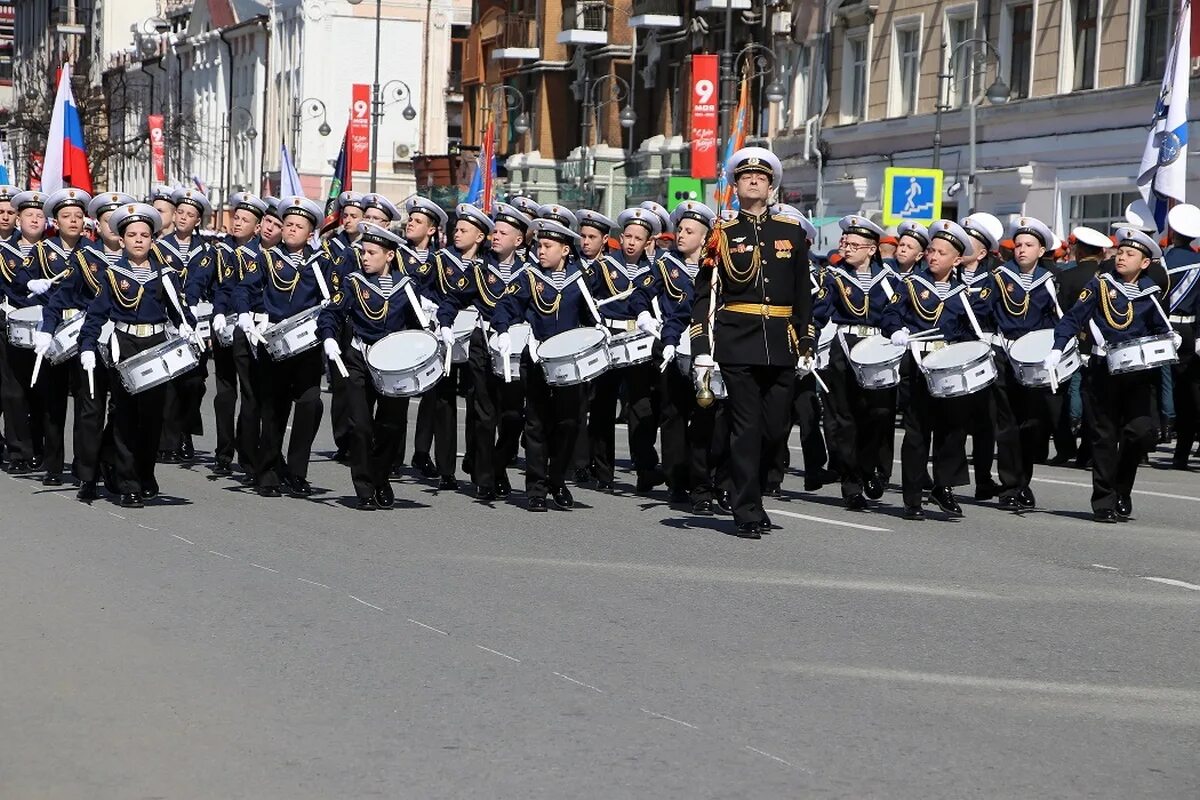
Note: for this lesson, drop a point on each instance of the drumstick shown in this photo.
(449, 359)
(1054, 380)
(37, 367)
(507, 367)
(91, 383)
(820, 382)
(341, 365)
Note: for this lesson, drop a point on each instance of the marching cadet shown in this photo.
(1183, 303)
(162, 197)
(911, 240)
(1113, 308)
(661, 244)
(135, 297)
(22, 404)
(853, 296)
(422, 238)
(185, 250)
(1021, 299)
(237, 256)
(753, 304)
(350, 212)
(553, 298)
(270, 231)
(100, 209)
(594, 230)
(343, 253)
(8, 212)
(297, 278)
(617, 278)
(375, 300)
(934, 298)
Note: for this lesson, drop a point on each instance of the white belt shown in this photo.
(259, 319)
(1182, 319)
(6, 306)
(139, 331)
(861, 331)
(359, 345)
(621, 324)
(485, 326)
(70, 313)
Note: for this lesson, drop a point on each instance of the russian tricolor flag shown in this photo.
(66, 156)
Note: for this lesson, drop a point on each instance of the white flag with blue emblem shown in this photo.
(1163, 174)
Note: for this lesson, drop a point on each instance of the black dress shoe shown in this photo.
(87, 492)
(367, 504)
(299, 487)
(468, 466)
(812, 482)
(856, 502)
(168, 457)
(725, 502)
(873, 485)
(1124, 507)
(485, 495)
(447, 483)
(1060, 460)
(503, 487)
(423, 464)
(606, 487)
(269, 491)
(748, 530)
(1106, 515)
(20, 468)
(646, 481)
(582, 475)
(150, 493)
(1008, 502)
(562, 497)
(536, 504)
(678, 496)
(384, 496)
(131, 500)
(187, 450)
(773, 490)
(1026, 499)
(342, 455)
(702, 508)
(52, 479)
(985, 490)
(943, 497)
(915, 513)
(765, 525)
(222, 467)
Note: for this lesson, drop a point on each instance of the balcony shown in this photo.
(722, 5)
(656, 14)
(517, 40)
(584, 22)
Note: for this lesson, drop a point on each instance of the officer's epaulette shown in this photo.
(785, 218)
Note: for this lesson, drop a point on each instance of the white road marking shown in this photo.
(365, 603)
(118, 516)
(430, 627)
(1143, 492)
(1173, 582)
(579, 683)
(146, 527)
(314, 583)
(260, 566)
(180, 538)
(498, 653)
(222, 555)
(1105, 566)
(768, 755)
(828, 521)
(670, 719)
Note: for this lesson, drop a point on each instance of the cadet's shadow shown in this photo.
(351, 502)
(1085, 516)
(168, 500)
(695, 523)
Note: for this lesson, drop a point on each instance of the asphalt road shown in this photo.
(221, 645)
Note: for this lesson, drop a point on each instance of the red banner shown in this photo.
(158, 151)
(704, 116)
(360, 128)
(35, 169)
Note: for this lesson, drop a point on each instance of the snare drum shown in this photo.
(519, 335)
(464, 326)
(159, 364)
(823, 351)
(293, 335)
(683, 354)
(634, 347)
(66, 340)
(573, 357)
(204, 312)
(406, 363)
(102, 347)
(1027, 353)
(959, 369)
(22, 324)
(876, 362)
(1144, 352)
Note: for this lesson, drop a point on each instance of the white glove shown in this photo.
(646, 323)
(1197, 348)
(705, 362)
(900, 338)
(447, 336)
(332, 349)
(805, 365)
(1177, 338)
(186, 331)
(87, 360)
(604, 329)
(533, 346)
(246, 323)
(39, 285)
(219, 323)
(42, 342)
(668, 357)
(1052, 359)
(504, 344)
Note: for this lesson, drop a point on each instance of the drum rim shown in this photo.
(395, 336)
(599, 343)
(984, 353)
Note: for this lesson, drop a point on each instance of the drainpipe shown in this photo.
(425, 84)
(262, 156)
(228, 117)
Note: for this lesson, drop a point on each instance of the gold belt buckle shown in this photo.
(935, 346)
(765, 310)
(630, 325)
(142, 331)
(69, 313)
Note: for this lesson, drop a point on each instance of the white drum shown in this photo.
(66, 340)
(406, 363)
(1144, 352)
(876, 362)
(464, 326)
(204, 312)
(519, 334)
(157, 365)
(634, 347)
(293, 335)
(959, 369)
(824, 349)
(574, 357)
(1028, 352)
(22, 324)
(683, 354)
(102, 346)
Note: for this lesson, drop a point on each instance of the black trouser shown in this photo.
(445, 423)
(19, 402)
(688, 437)
(639, 381)
(497, 415)
(806, 416)
(426, 423)
(181, 406)
(172, 427)
(1118, 409)
(552, 417)
(931, 420)
(135, 424)
(373, 436)
(52, 390)
(339, 417)
(89, 418)
(759, 398)
(225, 402)
(1187, 396)
(982, 420)
(293, 383)
(861, 419)
(1023, 420)
(249, 424)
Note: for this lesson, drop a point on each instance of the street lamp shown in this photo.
(250, 131)
(627, 119)
(403, 92)
(757, 61)
(310, 108)
(997, 94)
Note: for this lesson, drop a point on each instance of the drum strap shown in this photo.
(416, 305)
(1054, 296)
(324, 287)
(971, 315)
(591, 304)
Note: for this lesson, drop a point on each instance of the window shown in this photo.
(907, 70)
(793, 112)
(1020, 49)
(1099, 211)
(1156, 38)
(959, 28)
(854, 77)
(1085, 32)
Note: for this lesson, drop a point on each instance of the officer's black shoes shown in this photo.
(1026, 499)
(873, 485)
(131, 500)
(985, 489)
(748, 530)
(856, 502)
(562, 497)
(269, 491)
(448, 483)
(677, 496)
(943, 497)
(384, 496)
(20, 468)
(914, 513)
(367, 503)
(187, 450)
(766, 526)
(1009, 502)
(52, 479)
(87, 492)
(1124, 507)
(485, 495)
(298, 487)
(646, 481)
(423, 464)
(222, 467)
(536, 504)
(503, 487)
(168, 457)
(702, 508)
(773, 490)
(1106, 515)
(606, 487)
(725, 502)
(150, 492)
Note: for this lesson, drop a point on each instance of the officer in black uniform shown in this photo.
(754, 308)
(1183, 302)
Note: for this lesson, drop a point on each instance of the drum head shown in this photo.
(1033, 347)
(519, 335)
(875, 350)
(204, 309)
(569, 343)
(31, 314)
(402, 350)
(465, 321)
(828, 334)
(956, 355)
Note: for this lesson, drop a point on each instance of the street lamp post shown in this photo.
(311, 108)
(250, 133)
(996, 94)
(627, 119)
(512, 99)
(761, 61)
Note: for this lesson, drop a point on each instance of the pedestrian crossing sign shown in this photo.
(911, 194)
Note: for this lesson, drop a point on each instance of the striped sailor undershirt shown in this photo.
(692, 270)
(1025, 279)
(26, 248)
(386, 283)
(557, 278)
(297, 259)
(422, 255)
(185, 251)
(942, 288)
(112, 256)
(142, 274)
(505, 270)
(1131, 287)
(863, 279)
